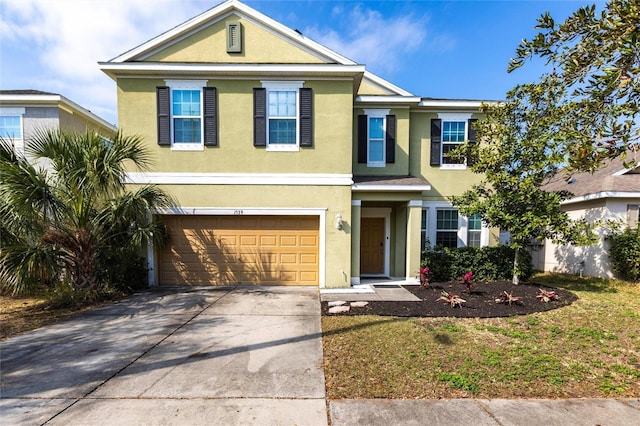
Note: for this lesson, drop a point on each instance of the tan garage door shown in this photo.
(219, 250)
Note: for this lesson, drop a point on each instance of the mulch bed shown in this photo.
(480, 303)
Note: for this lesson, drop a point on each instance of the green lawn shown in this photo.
(588, 349)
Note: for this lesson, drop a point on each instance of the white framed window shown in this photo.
(376, 137)
(187, 123)
(474, 231)
(424, 230)
(455, 132)
(11, 126)
(447, 227)
(283, 127)
(633, 215)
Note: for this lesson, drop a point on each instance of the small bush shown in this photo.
(625, 254)
(487, 263)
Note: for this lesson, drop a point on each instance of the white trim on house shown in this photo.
(600, 195)
(186, 178)
(12, 110)
(362, 187)
(256, 211)
(385, 213)
(451, 103)
(58, 101)
(257, 70)
(387, 99)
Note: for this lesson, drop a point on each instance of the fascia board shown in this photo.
(451, 103)
(220, 12)
(390, 188)
(601, 195)
(384, 84)
(55, 101)
(393, 99)
(161, 68)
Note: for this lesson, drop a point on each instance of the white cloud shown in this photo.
(372, 39)
(69, 37)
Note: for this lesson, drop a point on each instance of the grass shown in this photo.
(588, 349)
(19, 314)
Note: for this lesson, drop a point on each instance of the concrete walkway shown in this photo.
(227, 356)
(205, 356)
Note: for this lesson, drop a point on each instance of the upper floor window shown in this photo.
(187, 115)
(448, 132)
(11, 124)
(454, 133)
(11, 127)
(283, 116)
(283, 113)
(376, 137)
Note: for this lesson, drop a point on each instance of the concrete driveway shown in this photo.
(234, 355)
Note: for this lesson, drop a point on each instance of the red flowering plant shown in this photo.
(467, 280)
(424, 277)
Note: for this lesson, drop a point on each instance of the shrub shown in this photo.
(625, 254)
(487, 263)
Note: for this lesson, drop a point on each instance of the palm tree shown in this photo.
(65, 210)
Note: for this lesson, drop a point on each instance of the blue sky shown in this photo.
(443, 49)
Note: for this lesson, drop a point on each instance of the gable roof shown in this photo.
(613, 179)
(38, 98)
(130, 60)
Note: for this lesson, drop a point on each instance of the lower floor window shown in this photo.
(447, 228)
(474, 231)
(424, 239)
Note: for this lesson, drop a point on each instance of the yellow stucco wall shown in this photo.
(335, 199)
(367, 88)
(401, 165)
(209, 44)
(78, 123)
(443, 182)
(235, 153)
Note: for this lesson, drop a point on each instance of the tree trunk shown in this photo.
(516, 267)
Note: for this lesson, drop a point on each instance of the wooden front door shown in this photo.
(372, 245)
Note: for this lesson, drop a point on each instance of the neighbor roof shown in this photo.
(613, 179)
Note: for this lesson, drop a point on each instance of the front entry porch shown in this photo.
(386, 233)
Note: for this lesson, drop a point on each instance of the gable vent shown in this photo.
(234, 37)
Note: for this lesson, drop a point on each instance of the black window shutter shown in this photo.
(210, 116)
(390, 139)
(306, 117)
(436, 139)
(362, 138)
(163, 101)
(259, 117)
(471, 158)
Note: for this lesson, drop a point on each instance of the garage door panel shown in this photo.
(240, 249)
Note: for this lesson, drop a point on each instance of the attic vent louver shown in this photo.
(234, 37)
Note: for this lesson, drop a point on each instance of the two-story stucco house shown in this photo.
(290, 163)
(25, 112)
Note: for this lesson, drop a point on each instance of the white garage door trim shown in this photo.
(246, 211)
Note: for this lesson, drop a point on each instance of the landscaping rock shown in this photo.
(339, 309)
(359, 304)
(337, 303)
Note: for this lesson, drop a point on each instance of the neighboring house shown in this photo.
(291, 164)
(611, 193)
(25, 112)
